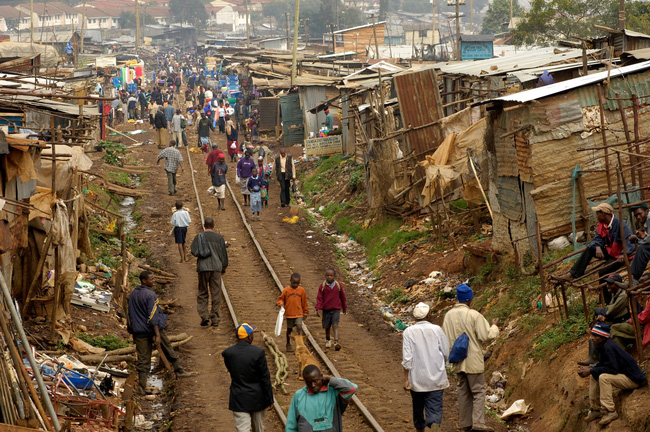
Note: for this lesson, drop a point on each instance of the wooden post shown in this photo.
(444, 208)
(382, 109)
(635, 108)
(584, 207)
(631, 301)
(540, 266)
(566, 307)
(604, 138)
(296, 23)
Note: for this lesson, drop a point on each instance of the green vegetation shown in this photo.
(108, 342)
(118, 177)
(106, 250)
(114, 152)
(357, 178)
(380, 238)
(566, 331)
(318, 180)
(396, 295)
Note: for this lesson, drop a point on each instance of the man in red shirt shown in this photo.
(331, 300)
(607, 245)
(213, 157)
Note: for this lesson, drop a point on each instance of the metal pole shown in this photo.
(32, 361)
(296, 24)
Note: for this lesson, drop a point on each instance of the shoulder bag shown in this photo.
(461, 345)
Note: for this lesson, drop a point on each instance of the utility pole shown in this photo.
(382, 109)
(248, 34)
(304, 23)
(83, 28)
(31, 21)
(458, 56)
(433, 35)
(137, 25)
(331, 27)
(286, 27)
(621, 15)
(471, 16)
(296, 24)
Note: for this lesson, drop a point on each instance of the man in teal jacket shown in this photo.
(319, 406)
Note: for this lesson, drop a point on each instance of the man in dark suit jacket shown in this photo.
(250, 390)
(285, 174)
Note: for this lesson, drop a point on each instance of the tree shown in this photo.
(127, 19)
(188, 11)
(417, 6)
(552, 20)
(498, 15)
(638, 16)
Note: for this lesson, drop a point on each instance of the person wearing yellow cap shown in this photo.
(250, 389)
(607, 245)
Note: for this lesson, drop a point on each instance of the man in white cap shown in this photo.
(607, 245)
(425, 351)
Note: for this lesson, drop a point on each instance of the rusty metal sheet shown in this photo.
(269, 113)
(509, 194)
(419, 103)
(523, 158)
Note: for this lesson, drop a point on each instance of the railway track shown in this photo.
(253, 300)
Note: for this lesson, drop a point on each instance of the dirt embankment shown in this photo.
(536, 352)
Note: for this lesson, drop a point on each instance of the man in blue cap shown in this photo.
(615, 369)
(250, 390)
(471, 382)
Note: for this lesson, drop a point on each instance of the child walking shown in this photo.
(180, 220)
(266, 182)
(294, 300)
(331, 300)
(255, 189)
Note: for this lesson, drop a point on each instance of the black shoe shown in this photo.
(282, 205)
(205, 322)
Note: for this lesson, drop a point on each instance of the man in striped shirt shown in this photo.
(173, 159)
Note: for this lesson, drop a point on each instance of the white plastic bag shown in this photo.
(237, 180)
(279, 321)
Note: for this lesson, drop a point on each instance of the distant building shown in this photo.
(420, 34)
(52, 14)
(10, 18)
(275, 44)
(231, 15)
(358, 38)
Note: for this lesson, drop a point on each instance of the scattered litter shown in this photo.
(559, 243)
(91, 296)
(142, 423)
(519, 407)
(291, 220)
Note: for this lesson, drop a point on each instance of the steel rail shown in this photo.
(233, 315)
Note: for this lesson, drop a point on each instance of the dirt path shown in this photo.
(371, 355)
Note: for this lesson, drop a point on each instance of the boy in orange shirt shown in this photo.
(294, 300)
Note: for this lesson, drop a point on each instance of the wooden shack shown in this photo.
(358, 38)
(553, 152)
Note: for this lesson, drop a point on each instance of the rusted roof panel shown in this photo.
(419, 102)
(510, 198)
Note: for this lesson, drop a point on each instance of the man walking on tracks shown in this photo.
(319, 406)
(425, 350)
(250, 389)
(173, 159)
(285, 175)
(212, 260)
(160, 123)
(471, 382)
(146, 322)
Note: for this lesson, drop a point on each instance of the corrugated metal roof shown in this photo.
(561, 87)
(359, 27)
(640, 54)
(504, 65)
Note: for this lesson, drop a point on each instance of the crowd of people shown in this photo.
(427, 348)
